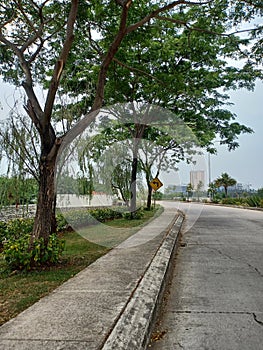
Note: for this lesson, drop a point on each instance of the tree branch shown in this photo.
(98, 101)
(138, 71)
(31, 134)
(16, 150)
(93, 43)
(186, 24)
(39, 48)
(28, 83)
(251, 3)
(59, 66)
(164, 9)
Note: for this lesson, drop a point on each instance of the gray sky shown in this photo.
(244, 164)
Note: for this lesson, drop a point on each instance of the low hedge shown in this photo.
(85, 217)
(253, 201)
(22, 254)
(14, 229)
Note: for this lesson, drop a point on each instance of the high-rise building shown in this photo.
(197, 177)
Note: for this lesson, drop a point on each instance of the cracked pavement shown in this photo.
(215, 301)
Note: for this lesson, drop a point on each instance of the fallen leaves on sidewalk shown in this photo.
(158, 335)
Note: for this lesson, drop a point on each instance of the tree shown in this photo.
(158, 147)
(199, 188)
(120, 181)
(212, 189)
(19, 144)
(25, 33)
(189, 190)
(225, 181)
(17, 190)
(181, 69)
(37, 43)
(162, 150)
(112, 162)
(149, 69)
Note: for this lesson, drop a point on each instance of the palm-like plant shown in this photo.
(225, 181)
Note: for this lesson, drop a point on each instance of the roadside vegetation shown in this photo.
(253, 201)
(21, 288)
(224, 190)
(68, 60)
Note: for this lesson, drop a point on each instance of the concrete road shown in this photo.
(216, 296)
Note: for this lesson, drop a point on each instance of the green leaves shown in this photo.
(17, 190)
(225, 181)
(20, 254)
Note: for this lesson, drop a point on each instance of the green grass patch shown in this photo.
(22, 289)
(114, 232)
(19, 290)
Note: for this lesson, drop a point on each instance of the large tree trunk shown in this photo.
(140, 128)
(149, 196)
(45, 219)
(133, 183)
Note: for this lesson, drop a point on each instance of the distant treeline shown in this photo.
(17, 190)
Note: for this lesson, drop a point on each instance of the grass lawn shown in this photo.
(20, 290)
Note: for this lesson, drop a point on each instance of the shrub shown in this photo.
(62, 223)
(253, 201)
(19, 255)
(20, 226)
(3, 232)
(138, 214)
(85, 217)
(235, 201)
(13, 229)
(230, 201)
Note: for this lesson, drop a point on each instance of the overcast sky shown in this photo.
(244, 164)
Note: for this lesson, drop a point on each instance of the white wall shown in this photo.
(72, 200)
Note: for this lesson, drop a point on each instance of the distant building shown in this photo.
(197, 176)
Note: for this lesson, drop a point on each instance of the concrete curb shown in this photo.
(133, 329)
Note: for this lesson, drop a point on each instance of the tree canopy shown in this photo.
(86, 54)
(225, 181)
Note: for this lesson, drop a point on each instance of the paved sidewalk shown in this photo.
(106, 301)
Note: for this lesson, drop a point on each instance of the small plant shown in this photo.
(62, 223)
(13, 229)
(253, 201)
(230, 201)
(20, 254)
(137, 215)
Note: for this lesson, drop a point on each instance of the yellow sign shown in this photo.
(156, 184)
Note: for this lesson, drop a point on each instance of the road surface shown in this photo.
(216, 297)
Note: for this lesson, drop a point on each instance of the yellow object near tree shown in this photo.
(156, 184)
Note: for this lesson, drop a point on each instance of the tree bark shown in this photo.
(45, 219)
(140, 128)
(149, 197)
(133, 182)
